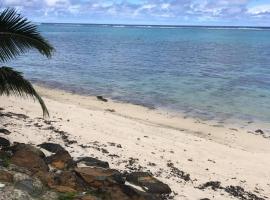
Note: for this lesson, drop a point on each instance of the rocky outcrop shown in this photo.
(29, 157)
(51, 147)
(148, 183)
(27, 174)
(61, 160)
(89, 161)
(99, 177)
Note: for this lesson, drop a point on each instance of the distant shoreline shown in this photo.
(154, 25)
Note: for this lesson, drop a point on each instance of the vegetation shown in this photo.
(67, 196)
(18, 36)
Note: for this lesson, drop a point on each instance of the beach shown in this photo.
(181, 151)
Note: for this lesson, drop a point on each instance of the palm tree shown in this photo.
(17, 36)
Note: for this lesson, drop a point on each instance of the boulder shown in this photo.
(66, 181)
(6, 176)
(51, 147)
(99, 177)
(29, 186)
(11, 193)
(101, 98)
(89, 161)
(61, 160)
(148, 183)
(4, 131)
(26, 147)
(4, 142)
(30, 159)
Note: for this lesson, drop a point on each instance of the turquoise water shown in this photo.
(205, 72)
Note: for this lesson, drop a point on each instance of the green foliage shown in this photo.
(13, 82)
(17, 36)
(67, 196)
(5, 160)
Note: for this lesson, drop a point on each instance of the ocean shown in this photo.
(218, 73)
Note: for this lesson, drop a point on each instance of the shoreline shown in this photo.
(248, 127)
(250, 123)
(150, 139)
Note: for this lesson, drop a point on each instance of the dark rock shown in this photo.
(110, 110)
(101, 98)
(4, 142)
(89, 161)
(4, 131)
(99, 177)
(148, 183)
(124, 192)
(105, 151)
(61, 160)
(51, 147)
(259, 131)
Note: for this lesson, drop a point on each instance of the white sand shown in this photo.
(203, 149)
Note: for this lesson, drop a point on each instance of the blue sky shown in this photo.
(175, 12)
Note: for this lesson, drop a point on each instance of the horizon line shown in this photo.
(167, 25)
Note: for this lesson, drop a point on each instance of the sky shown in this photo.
(163, 12)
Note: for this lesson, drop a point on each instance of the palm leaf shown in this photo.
(18, 35)
(12, 82)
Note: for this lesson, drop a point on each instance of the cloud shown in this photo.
(260, 10)
(171, 11)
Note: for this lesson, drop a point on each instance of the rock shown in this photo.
(30, 159)
(148, 183)
(135, 194)
(4, 131)
(11, 193)
(125, 192)
(61, 160)
(259, 131)
(6, 176)
(99, 177)
(101, 98)
(89, 161)
(51, 147)
(30, 187)
(26, 147)
(4, 142)
(66, 181)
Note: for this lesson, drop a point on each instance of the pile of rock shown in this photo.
(27, 173)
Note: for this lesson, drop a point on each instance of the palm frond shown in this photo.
(12, 82)
(18, 35)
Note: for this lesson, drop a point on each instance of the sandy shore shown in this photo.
(129, 136)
